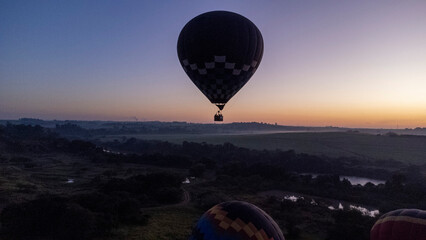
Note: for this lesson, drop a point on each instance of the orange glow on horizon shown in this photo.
(342, 63)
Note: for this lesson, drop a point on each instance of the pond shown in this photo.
(362, 181)
(331, 204)
(354, 180)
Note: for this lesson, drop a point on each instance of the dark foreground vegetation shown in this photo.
(89, 215)
(123, 184)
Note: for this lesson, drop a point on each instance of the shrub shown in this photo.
(47, 217)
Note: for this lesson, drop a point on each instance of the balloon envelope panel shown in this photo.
(401, 224)
(220, 51)
(236, 221)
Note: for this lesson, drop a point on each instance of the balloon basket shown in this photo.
(218, 117)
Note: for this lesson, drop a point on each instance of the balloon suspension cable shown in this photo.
(220, 106)
(218, 117)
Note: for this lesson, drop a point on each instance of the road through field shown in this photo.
(185, 201)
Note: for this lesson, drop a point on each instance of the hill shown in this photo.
(405, 148)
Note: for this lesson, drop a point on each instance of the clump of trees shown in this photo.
(23, 131)
(48, 217)
(350, 225)
(85, 216)
(188, 154)
(150, 189)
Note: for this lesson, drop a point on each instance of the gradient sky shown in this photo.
(341, 63)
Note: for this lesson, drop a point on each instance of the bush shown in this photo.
(350, 225)
(26, 187)
(20, 160)
(117, 208)
(154, 188)
(197, 170)
(47, 217)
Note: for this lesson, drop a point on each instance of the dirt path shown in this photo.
(186, 198)
(185, 201)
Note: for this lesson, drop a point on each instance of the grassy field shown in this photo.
(165, 224)
(408, 149)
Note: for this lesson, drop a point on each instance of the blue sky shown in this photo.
(346, 63)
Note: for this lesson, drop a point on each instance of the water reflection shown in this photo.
(362, 181)
(352, 179)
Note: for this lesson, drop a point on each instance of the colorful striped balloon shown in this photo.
(401, 224)
(236, 221)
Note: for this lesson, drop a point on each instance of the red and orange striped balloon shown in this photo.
(401, 224)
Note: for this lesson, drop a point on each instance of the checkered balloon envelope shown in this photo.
(236, 220)
(220, 51)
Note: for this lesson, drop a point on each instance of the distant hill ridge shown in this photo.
(187, 127)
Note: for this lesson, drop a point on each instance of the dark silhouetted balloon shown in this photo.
(220, 51)
(236, 221)
(401, 224)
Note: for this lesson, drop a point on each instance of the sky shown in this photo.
(325, 63)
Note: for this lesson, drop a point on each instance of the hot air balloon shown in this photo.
(236, 220)
(401, 224)
(220, 51)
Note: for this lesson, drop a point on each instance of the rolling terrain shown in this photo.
(132, 188)
(404, 148)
